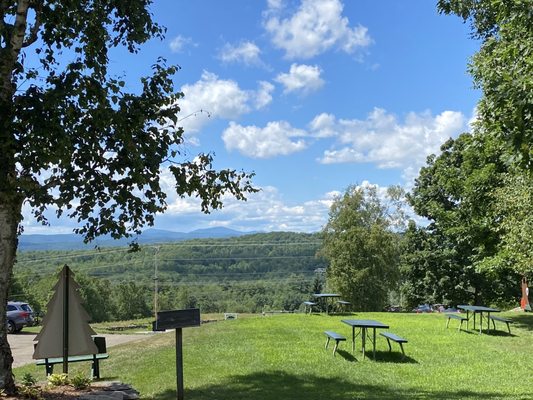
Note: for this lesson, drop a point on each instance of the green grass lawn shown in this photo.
(283, 357)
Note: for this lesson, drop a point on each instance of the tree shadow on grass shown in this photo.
(523, 321)
(394, 357)
(279, 385)
(346, 355)
(497, 332)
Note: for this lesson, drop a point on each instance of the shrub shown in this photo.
(80, 382)
(58, 380)
(28, 380)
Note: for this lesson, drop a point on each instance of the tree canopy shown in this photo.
(502, 69)
(455, 192)
(73, 140)
(362, 248)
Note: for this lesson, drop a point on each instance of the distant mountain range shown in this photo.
(149, 236)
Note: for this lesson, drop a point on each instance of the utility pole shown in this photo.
(156, 286)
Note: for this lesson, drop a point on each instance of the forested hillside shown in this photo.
(252, 273)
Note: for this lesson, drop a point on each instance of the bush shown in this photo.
(80, 382)
(28, 380)
(58, 380)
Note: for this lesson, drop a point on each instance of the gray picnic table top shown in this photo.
(364, 325)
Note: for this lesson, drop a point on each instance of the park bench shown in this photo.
(230, 315)
(456, 316)
(335, 336)
(95, 358)
(343, 305)
(309, 305)
(394, 338)
(500, 319)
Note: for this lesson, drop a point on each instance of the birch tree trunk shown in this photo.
(9, 221)
(10, 198)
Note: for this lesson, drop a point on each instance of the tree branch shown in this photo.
(34, 30)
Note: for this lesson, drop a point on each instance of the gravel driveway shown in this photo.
(22, 345)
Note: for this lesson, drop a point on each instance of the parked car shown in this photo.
(19, 315)
(393, 308)
(422, 308)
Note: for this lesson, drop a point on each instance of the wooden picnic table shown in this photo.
(326, 297)
(478, 310)
(364, 325)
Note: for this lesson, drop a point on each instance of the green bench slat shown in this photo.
(59, 360)
(507, 321)
(394, 337)
(335, 336)
(461, 318)
(456, 316)
(94, 358)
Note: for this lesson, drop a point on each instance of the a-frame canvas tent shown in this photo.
(66, 330)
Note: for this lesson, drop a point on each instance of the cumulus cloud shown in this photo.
(263, 95)
(323, 125)
(301, 78)
(315, 27)
(263, 211)
(246, 52)
(221, 98)
(275, 139)
(387, 142)
(179, 43)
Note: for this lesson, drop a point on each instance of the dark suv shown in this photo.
(19, 315)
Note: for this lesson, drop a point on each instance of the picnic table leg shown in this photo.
(49, 367)
(374, 344)
(353, 339)
(95, 369)
(364, 340)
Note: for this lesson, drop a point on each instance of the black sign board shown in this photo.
(177, 319)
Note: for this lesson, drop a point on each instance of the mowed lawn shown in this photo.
(283, 357)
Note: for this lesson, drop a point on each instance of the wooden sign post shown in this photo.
(177, 319)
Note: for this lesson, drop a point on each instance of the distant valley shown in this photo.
(34, 242)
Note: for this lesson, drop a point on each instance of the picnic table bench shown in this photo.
(343, 305)
(500, 319)
(395, 338)
(335, 336)
(95, 358)
(461, 318)
(309, 305)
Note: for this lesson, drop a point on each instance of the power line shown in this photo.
(90, 253)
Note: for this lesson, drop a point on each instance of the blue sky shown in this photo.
(311, 95)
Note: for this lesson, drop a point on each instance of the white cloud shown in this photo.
(178, 44)
(263, 211)
(263, 96)
(246, 52)
(323, 125)
(387, 142)
(221, 98)
(301, 78)
(275, 139)
(317, 26)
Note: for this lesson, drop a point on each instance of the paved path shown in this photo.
(22, 345)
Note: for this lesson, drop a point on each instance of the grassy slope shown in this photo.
(283, 357)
